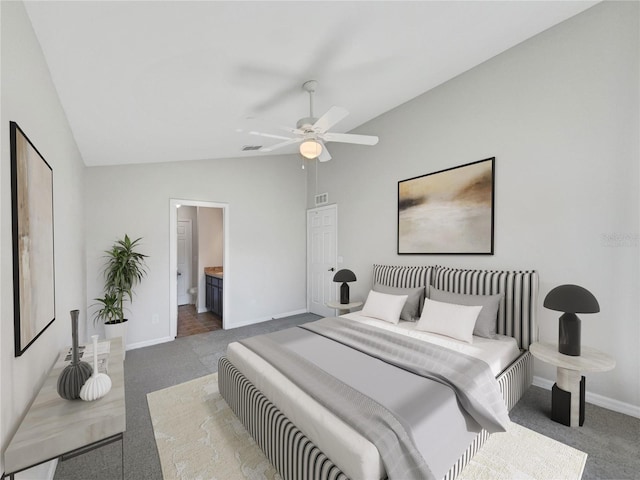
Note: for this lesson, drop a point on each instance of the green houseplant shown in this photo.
(109, 311)
(123, 269)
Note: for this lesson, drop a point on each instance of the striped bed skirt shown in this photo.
(295, 457)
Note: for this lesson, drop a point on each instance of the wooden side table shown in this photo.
(567, 395)
(58, 428)
(343, 307)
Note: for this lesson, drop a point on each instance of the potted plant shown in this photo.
(123, 269)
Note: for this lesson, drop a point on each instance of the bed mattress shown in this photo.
(353, 454)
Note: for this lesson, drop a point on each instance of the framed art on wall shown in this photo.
(32, 228)
(449, 211)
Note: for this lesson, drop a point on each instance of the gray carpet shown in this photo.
(611, 439)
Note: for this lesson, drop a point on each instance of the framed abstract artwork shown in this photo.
(448, 212)
(32, 228)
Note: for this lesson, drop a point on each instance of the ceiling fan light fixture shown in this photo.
(310, 149)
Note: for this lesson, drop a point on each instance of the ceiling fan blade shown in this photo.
(269, 135)
(329, 119)
(325, 156)
(290, 141)
(350, 138)
(278, 97)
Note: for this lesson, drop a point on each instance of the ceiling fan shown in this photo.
(312, 133)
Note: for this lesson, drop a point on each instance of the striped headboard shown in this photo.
(402, 277)
(517, 312)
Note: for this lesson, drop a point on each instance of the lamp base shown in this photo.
(569, 335)
(344, 293)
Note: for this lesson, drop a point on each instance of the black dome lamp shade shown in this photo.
(344, 276)
(570, 299)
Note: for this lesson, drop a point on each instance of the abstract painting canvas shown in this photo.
(448, 212)
(33, 262)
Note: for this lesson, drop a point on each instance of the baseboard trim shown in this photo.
(266, 319)
(148, 343)
(596, 399)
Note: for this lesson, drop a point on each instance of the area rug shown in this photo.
(199, 437)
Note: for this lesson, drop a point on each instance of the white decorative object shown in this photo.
(114, 330)
(99, 384)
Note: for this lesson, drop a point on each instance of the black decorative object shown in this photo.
(570, 299)
(344, 276)
(73, 376)
(561, 404)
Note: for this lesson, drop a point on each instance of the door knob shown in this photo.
(332, 269)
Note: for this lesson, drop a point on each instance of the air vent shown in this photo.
(322, 199)
(251, 148)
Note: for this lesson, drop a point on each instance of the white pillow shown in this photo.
(456, 321)
(384, 306)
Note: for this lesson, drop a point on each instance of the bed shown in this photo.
(305, 440)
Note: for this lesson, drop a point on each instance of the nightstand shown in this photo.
(567, 395)
(343, 307)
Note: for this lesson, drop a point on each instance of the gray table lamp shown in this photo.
(344, 276)
(570, 299)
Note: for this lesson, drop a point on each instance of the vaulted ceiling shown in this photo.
(157, 81)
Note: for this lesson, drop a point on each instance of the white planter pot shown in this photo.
(114, 330)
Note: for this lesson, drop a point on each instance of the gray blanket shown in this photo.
(407, 417)
(471, 379)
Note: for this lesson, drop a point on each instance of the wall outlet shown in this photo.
(155, 319)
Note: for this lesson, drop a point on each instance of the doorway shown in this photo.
(207, 225)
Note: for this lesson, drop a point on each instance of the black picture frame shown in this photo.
(448, 212)
(33, 247)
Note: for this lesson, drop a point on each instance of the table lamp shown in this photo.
(570, 299)
(344, 276)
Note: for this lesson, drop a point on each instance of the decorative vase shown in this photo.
(115, 330)
(73, 376)
(99, 384)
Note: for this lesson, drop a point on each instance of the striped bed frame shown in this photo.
(295, 457)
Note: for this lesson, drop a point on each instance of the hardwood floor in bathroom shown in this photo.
(191, 323)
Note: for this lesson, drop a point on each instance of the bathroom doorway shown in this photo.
(198, 242)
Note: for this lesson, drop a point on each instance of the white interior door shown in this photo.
(322, 251)
(184, 261)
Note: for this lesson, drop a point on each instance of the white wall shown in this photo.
(560, 114)
(213, 237)
(211, 240)
(30, 99)
(266, 199)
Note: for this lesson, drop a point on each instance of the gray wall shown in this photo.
(560, 114)
(30, 99)
(265, 276)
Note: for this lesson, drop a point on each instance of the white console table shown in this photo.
(57, 428)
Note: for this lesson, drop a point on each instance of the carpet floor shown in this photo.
(204, 439)
(610, 439)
